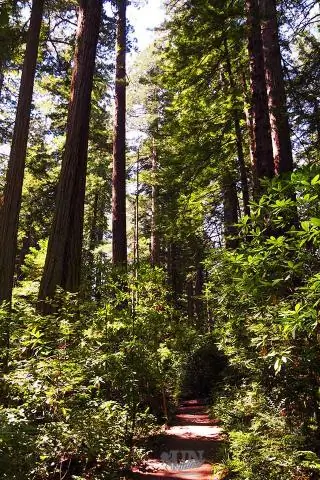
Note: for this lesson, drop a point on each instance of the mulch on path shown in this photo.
(187, 449)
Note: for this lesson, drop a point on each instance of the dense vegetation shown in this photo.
(201, 277)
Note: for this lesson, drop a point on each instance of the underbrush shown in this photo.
(92, 440)
(264, 298)
(84, 387)
(262, 443)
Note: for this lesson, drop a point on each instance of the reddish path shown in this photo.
(187, 448)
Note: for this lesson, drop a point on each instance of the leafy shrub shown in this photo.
(261, 445)
(265, 299)
(83, 387)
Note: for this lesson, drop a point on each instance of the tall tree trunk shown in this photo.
(119, 233)
(9, 214)
(249, 120)
(27, 243)
(137, 218)
(63, 261)
(155, 245)
(230, 210)
(278, 112)
(242, 165)
(262, 155)
(95, 231)
(239, 142)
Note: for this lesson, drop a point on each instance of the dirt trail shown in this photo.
(187, 448)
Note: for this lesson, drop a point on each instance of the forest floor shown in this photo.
(187, 449)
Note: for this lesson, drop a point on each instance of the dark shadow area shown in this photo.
(204, 371)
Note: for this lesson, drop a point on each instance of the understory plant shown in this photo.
(265, 300)
(82, 388)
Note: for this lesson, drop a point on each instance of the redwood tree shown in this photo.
(119, 234)
(239, 141)
(63, 260)
(262, 154)
(280, 131)
(9, 214)
(155, 240)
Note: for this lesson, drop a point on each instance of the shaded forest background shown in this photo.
(181, 260)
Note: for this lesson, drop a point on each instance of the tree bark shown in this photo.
(119, 231)
(155, 244)
(63, 260)
(9, 214)
(278, 112)
(242, 165)
(26, 245)
(239, 142)
(262, 155)
(137, 219)
(96, 233)
(249, 122)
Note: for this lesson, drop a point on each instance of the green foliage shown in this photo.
(265, 298)
(85, 386)
(261, 445)
(82, 388)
